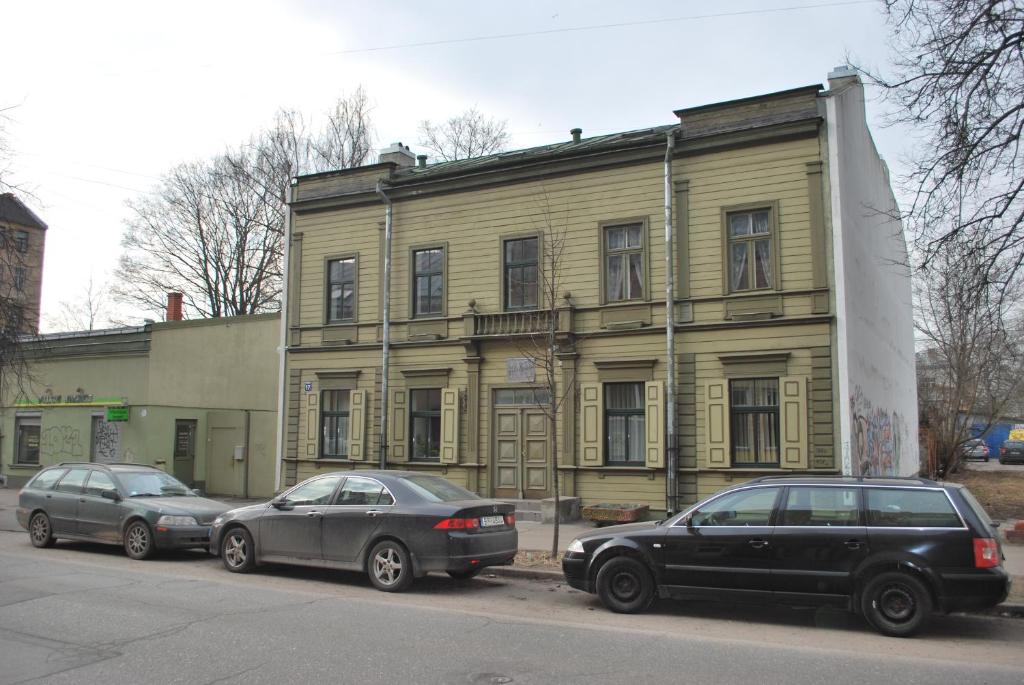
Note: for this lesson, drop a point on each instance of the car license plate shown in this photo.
(486, 521)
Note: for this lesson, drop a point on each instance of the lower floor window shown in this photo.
(26, 435)
(334, 409)
(425, 424)
(754, 412)
(624, 423)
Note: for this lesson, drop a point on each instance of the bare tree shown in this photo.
(470, 134)
(969, 366)
(959, 81)
(214, 229)
(88, 311)
(550, 340)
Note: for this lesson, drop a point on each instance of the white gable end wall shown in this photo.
(874, 308)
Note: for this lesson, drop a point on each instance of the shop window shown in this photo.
(26, 436)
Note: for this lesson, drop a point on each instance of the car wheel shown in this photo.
(237, 551)
(138, 540)
(896, 604)
(40, 532)
(465, 575)
(625, 585)
(389, 567)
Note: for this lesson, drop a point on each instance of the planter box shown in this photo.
(569, 509)
(615, 513)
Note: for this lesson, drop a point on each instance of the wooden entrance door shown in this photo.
(522, 463)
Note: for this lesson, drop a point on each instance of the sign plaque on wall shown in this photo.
(308, 386)
(117, 414)
(520, 370)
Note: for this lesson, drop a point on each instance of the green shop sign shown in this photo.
(117, 414)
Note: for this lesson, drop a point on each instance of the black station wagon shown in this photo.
(894, 550)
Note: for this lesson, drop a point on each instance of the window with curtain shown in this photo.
(341, 290)
(754, 413)
(624, 423)
(521, 274)
(334, 410)
(425, 424)
(750, 250)
(428, 281)
(624, 262)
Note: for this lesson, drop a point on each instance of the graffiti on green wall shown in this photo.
(63, 442)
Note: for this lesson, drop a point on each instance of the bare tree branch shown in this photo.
(470, 134)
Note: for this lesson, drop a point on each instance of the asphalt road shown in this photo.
(993, 465)
(82, 614)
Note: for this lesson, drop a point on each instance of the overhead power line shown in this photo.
(598, 27)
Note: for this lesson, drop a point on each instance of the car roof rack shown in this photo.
(106, 463)
(857, 479)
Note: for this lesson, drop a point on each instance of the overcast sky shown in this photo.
(110, 95)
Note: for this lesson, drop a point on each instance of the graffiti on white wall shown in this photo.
(877, 437)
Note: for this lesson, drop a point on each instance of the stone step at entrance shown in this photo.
(526, 509)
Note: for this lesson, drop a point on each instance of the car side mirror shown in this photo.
(689, 521)
(111, 494)
(282, 504)
(197, 492)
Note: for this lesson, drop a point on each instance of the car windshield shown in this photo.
(436, 489)
(1015, 444)
(152, 484)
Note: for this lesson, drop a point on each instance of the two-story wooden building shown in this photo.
(766, 195)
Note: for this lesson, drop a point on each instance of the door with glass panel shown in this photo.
(522, 455)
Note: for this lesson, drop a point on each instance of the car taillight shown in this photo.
(457, 524)
(1002, 450)
(986, 553)
(510, 519)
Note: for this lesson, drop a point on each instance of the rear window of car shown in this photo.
(45, 479)
(434, 489)
(1015, 444)
(906, 508)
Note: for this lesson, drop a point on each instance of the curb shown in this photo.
(522, 572)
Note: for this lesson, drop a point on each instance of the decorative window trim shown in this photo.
(539, 235)
(327, 290)
(413, 249)
(773, 236)
(645, 259)
(625, 370)
(426, 378)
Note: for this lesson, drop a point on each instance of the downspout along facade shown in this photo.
(671, 454)
(282, 386)
(386, 342)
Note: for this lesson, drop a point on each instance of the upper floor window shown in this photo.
(20, 275)
(754, 412)
(428, 282)
(624, 423)
(334, 413)
(624, 262)
(341, 290)
(750, 250)
(21, 241)
(521, 274)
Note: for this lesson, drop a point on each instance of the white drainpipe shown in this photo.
(386, 342)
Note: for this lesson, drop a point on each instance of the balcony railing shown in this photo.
(506, 324)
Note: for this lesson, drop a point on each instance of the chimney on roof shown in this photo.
(174, 307)
(577, 133)
(421, 161)
(838, 75)
(398, 154)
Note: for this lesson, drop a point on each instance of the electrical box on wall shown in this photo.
(239, 452)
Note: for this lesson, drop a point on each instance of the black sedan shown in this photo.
(394, 525)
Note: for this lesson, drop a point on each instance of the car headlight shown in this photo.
(575, 547)
(219, 520)
(177, 521)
